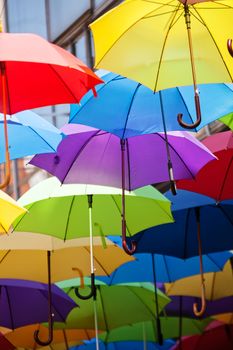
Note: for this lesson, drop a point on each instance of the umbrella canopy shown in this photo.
(115, 305)
(94, 156)
(29, 134)
(68, 259)
(141, 111)
(9, 211)
(151, 45)
(5, 344)
(180, 238)
(217, 284)
(167, 268)
(25, 302)
(225, 318)
(147, 330)
(165, 44)
(39, 73)
(22, 337)
(215, 179)
(132, 345)
(64, 210)
(228, 120)
(216, 337)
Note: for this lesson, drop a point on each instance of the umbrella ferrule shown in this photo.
(90, 200)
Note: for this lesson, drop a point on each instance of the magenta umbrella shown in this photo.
(94, 156)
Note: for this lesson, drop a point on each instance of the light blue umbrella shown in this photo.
(28, 134)
(126, 108)
(166, 268)
(124, 345)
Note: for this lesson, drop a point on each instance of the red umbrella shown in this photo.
(215, 179)
(216, 337)
(36, 73)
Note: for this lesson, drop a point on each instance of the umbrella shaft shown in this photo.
(96, 325)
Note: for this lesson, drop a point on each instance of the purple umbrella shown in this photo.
(26, 302)
(94, 156)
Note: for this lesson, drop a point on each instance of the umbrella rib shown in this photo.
(79, 152)
(98, 90)
(120, 36)
(181, 159)
(141, 300)
(68, 217)
(63, 82)
(166, 266)
(30, 205)
(103, 308)
(10, 309)
(224, 179)
(215, 45)
(163, 46)
(41, 138)
(221, 207)
(186, 107)
(98, 262)
(186, 233)
(129, 109)
(214, 262)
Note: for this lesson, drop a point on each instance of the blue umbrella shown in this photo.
(123, 345)
(201, 226)
(167, 268)
(180, 238)
(29, 134)
(126, 108)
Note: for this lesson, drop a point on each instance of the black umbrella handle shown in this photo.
(92, 292)
(50, 315)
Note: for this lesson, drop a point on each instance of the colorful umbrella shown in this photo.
(94, 156)
(63, 338)
(36, 73)
(29, 134)
(69, 259)
(25, 302)
(215, 337)
(132, 345)
(5, 344)
(217, 284)
(198, 221)
(9, 211)
(141, 111)
(215, 179)
(164, 43)
(147, 330)
(66, 210)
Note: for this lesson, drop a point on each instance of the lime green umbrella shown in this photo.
(147, 331)
(228, 120)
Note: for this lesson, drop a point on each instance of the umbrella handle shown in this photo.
(92, 292)
(198, 115)
(203, 304)
(50, 317)
(50, 338)
(229, 47)
(171, 178)
(127, 249)
(7, 171)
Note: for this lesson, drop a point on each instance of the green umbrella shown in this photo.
(148, 331)
(115, 305)
(228, 120)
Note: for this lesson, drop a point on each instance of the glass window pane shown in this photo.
(26, 16)
(81, 48)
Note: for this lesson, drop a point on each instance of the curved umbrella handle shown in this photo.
(203, 304)
(229, 47)
(127, 249)
(92, 292)
(50, 338)
(198, 115)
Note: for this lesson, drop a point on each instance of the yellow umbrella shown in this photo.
(23, 337)
(167, 43)
(217, 284)
(9, 211)
(23, 255)
(225, 318)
